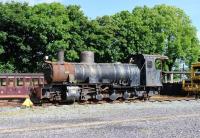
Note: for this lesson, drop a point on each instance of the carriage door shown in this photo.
(28, 84)
(20, 88)
(11, 90)
(3, 86)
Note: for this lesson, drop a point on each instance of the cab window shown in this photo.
(149, 64)
(158, 64)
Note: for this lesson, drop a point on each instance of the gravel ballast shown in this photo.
(179, 119)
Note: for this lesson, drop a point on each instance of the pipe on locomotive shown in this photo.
(61, 56)
(86, 56)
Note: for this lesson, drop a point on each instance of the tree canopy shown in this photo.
(28, 33)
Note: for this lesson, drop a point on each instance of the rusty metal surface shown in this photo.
(192, 85)
(37, 91)
(56, 72)
(41, 75)
(93, 73)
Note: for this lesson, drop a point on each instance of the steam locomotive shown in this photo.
(88, 80)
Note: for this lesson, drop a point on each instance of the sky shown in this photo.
(94, 8)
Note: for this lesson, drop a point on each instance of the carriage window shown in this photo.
(35, 82)
(11, 82)
(3, 81)
(149, 64)
(41, 80)
(27, 82)
(19, 81)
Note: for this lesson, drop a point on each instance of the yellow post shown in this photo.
(27, 103)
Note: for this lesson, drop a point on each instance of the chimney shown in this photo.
(87, 57)
(61, 56)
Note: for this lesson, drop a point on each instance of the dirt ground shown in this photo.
(142, 119)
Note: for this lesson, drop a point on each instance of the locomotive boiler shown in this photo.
(93, 73)
(88, 80)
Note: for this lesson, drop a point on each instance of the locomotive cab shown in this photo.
(151, 77)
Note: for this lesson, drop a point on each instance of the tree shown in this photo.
(107, 44)
(164, 30)
(28, 33)
(181, 40)
(12, 34)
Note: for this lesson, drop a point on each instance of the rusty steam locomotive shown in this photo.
(88, 80)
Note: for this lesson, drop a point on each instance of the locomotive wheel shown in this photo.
(113, 96)
(99, 97)
(126, 95)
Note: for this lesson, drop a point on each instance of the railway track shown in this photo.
(158, 98)
(161, 98)
(11, 103)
